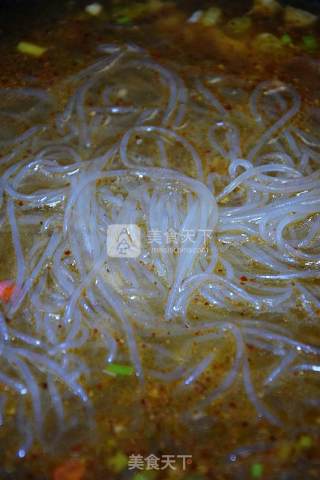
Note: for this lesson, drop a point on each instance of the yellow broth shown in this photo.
(130, 418)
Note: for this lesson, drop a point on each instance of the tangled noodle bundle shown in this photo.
(130, 147)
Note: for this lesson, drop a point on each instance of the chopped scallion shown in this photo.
(305, 441)
(286, 39)
(310, 42)
(31, 49)
(256, 470)
(117, 369)
(118, 462)
(123, 20)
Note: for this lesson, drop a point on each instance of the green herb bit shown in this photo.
(305, 441)
(149, 475)
(286, 39)
(256, 470)
(118, 462)
(310, 42)
(31, 49)
(117, 369)
(211, 17)
(125, 20)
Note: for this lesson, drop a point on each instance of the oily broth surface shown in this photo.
(150, 419)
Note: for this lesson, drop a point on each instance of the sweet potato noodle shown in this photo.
(135, 144)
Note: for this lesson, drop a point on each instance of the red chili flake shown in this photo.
(77, 447)
(67, 252)
(7, 289)
(243, 278)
